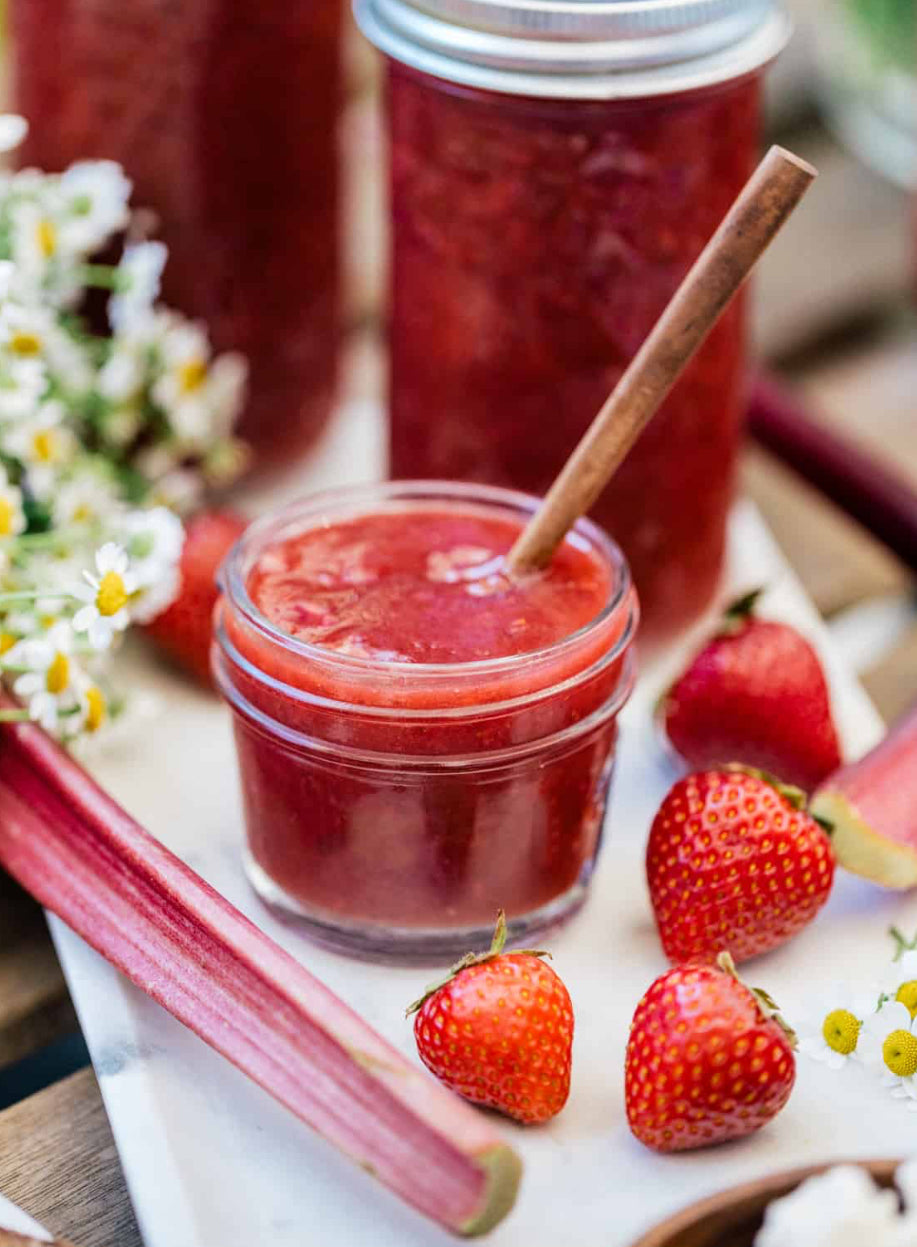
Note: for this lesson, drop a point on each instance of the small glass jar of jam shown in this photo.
(224, 116)
(556, 167)
(422, 740)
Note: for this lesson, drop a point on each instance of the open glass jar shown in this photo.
(395, 806)
(225, 117)
(556, 167)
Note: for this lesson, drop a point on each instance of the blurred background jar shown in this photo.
(224, 114)
(555, 170)
(867, 55)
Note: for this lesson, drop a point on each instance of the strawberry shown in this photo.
(499, 1032)
(755, 693)
(734, 861)
(184, 628)
(708, 1059)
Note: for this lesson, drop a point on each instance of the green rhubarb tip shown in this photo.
(503, 1170)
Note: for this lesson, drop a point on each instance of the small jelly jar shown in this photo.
(225, 117)
(556, 167)
(395, 806)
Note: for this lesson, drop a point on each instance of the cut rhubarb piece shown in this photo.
(86, 860)
(871, 807)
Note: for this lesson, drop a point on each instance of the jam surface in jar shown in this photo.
(421, 739)
(224, 116)
(423, 587)
(535, 243)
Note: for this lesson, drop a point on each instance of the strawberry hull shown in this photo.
(872, 809)
(182, 943)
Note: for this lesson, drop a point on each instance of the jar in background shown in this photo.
(394, 806)
(224, 116)
(555, 170)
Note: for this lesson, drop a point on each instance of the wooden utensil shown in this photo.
(733, 1218)
(753, 221)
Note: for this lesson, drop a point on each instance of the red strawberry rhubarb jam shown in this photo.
(224, 116)
(535, 244)
(422, 739)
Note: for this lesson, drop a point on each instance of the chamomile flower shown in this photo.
(92, 709)
(107, 593)
(139, 274)
(88, 495)
(888, 1046)
(901, 981)
(94, 195)
(154, 541)
(23, 384)
(33, 333)
(47, 686)
(834, 1026)
(200, 399)
(34, 246)
(43, 444)
(179, 489)
(12, 515)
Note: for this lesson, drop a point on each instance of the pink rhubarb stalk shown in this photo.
(871, 807)
(147, 913)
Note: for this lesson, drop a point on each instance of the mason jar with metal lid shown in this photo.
(556, 167)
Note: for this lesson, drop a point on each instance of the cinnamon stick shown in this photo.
(751, 224)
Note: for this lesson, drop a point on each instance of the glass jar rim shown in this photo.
(360, 499)
(579, 49)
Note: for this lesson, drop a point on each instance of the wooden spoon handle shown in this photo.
(752, 222)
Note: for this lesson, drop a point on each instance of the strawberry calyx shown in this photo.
(765, 1002)
(739, 612)
(497, 945)
(793, 796)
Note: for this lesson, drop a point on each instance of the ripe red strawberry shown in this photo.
(184, 629)
(734, 861)
(755, 693)
(499, 1031)
(708, 1060)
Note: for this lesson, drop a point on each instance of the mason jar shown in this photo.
(397, 792)
(225, 117)
(556, 167)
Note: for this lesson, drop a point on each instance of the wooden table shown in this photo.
(834, 316)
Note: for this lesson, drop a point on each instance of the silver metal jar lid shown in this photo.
(579, 49)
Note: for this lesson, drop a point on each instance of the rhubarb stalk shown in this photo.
(871, 809)
(86, 860)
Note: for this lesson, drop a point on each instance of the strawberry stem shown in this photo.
(765, 1002)
(497, 945)
(744, 606)
(902, 944)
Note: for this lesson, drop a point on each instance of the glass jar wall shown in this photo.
(224, 115)
(545, 205)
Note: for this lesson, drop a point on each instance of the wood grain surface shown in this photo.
(34, 1005)
(58, 1162)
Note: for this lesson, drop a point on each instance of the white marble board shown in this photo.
(212, 1161)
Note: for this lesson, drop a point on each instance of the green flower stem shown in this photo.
(14, 716)
(32, 595)
(103, 277)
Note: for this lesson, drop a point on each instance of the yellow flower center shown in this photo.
(82, 512)
(907, 995)
(57, 677)
(46, 233)
(191, 376)
(841, 1031)
(112, 595)
(44, 444)
(23, 343)
(899, 1052)
(7, 516)
(95, 709)
(7, 641)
